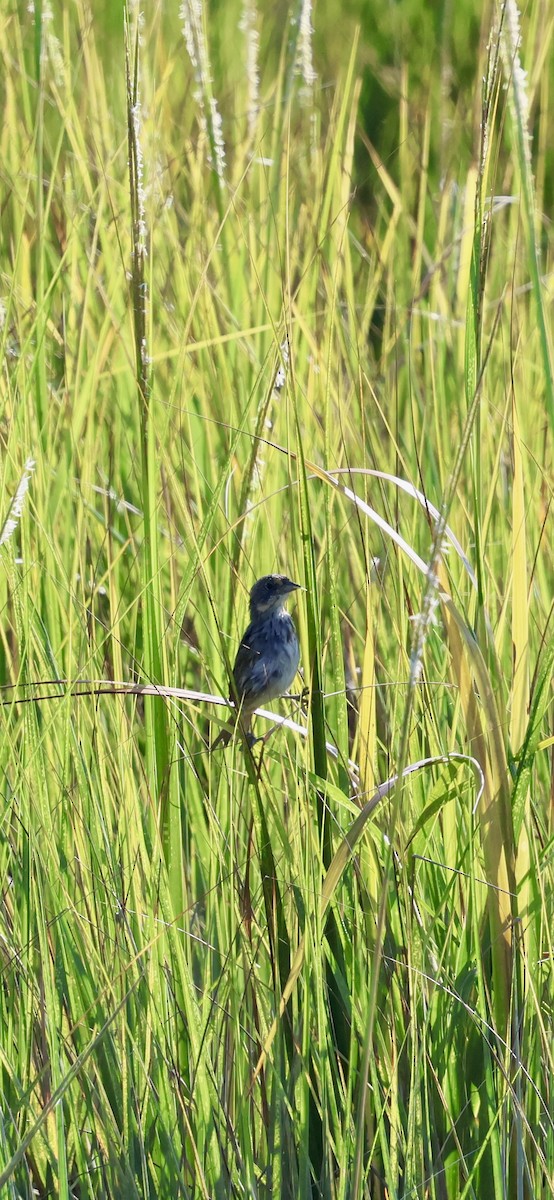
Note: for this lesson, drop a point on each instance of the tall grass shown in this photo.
(245, 327)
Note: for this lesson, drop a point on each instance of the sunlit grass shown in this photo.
(325, 352)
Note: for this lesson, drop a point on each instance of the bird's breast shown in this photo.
(268, 658)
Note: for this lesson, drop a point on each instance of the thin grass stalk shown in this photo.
(516, 78)
(193, 18)
(339, 1010)
(475, 297)
(40, 358)
(520, 642)
(254, 473)
(336, 636)
(273, 901)
(156, 720)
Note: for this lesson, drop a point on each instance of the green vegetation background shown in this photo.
(323, 968)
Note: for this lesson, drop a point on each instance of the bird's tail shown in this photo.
(223, 738)
(227, 732)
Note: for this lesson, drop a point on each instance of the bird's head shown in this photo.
(269, 593)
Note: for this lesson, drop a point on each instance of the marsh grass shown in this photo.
(275, 974)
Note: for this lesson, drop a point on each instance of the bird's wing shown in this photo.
(249, 671)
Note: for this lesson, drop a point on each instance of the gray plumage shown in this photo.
(268, 655)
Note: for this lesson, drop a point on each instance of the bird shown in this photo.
(268, 656)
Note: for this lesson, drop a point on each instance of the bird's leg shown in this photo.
(242, 722)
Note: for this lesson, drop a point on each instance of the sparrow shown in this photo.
(268, 655)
